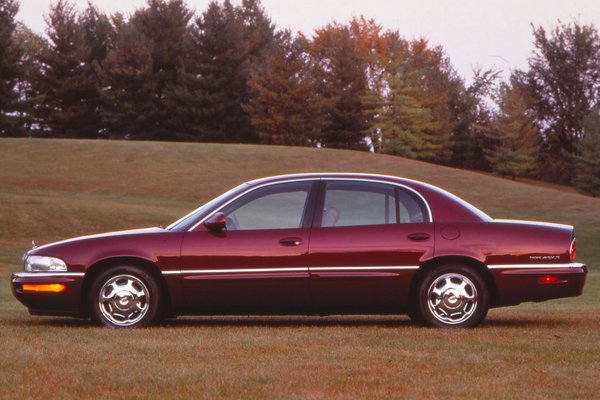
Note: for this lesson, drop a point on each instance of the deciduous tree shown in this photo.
(587, 173)
(564, 84)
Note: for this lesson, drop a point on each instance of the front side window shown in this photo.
(348, 203)
(279, 206)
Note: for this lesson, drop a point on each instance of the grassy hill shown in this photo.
(55, 189)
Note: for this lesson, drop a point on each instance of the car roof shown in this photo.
(444, 206)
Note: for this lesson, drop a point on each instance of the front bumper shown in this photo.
(67, 302)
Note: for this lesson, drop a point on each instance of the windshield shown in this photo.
(187, 221)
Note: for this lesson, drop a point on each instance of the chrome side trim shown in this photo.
(536, 266)
(46, 274)
(317, 178)
(251, 270)
(383, 267)
(233, 271)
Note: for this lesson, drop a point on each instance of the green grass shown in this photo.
(55, 189)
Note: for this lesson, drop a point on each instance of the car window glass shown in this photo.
(279, 206)
(410, 209)
(358, 203)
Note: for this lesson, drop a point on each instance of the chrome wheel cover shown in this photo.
(123, 300)
(452, 298)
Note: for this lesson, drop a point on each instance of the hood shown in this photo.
(143, 231)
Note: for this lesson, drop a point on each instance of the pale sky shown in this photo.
(474, 33)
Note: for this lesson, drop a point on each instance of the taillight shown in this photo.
(548, 279)
(572, 250)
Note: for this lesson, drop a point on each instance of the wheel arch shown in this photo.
(472, 263)
(100, 266)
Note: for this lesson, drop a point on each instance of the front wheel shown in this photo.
(125, 297)
(452, 296)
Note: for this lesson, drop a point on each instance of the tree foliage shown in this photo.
(284, 106)
(587, 175)
(225, 43)
(225, 74)
(130, 96)
(66, 87)
(564, 84)
(339, 71)
(10, 73)
(514, 138)
(33, 46)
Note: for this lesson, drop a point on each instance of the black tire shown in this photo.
(451, 296)
(131, 298)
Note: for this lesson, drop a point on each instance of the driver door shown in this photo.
(260, 261)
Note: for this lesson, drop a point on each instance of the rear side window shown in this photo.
(411, 209)
(348, 203)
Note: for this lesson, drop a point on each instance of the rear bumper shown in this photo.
(67, 302)
(521, 283)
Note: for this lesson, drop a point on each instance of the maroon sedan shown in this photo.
(309, 244)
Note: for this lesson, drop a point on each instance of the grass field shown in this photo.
(54, 189)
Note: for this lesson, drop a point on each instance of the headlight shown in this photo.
(42, 263)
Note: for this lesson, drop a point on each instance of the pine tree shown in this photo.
(129, 98)
(10, 54)
(408, 127)
(205, 100)
(284, 108)
(515, 138)
(33, 46)
(434, 77)
(65, 85)
(225, 43)
(164, 25)
(587, 162)
(340, 70)
(98, 39)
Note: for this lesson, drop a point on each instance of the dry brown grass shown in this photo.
(52, 189)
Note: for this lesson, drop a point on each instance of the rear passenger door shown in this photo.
(367, 241)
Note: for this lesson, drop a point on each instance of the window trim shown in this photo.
(319, 193)
(306, 214)
(396, 186)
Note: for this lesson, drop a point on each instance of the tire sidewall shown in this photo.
(421, 300)
(154, 309)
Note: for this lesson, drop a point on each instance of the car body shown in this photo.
(309, 244)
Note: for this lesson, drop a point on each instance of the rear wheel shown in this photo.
(451, 296)
(125, 297)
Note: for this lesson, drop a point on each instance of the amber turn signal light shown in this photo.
(45, 287)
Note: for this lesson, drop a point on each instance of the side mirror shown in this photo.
(217, 222)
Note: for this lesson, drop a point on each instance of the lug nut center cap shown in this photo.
(452, 299)
(124, 300)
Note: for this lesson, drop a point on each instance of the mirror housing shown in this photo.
(217, 222)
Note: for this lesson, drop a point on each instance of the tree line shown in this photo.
(228, 74)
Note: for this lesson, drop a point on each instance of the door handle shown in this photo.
(419, 237)
(290, 241)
